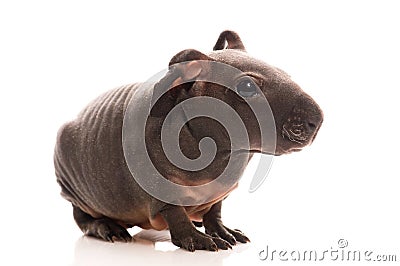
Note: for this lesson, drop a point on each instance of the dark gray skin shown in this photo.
(91, 169)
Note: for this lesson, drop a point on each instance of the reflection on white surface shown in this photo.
(148, 248)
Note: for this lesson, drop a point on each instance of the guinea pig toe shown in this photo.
(198, 243)
(109, 231)
(221, 244)
(223, 234)
(239, 236)
(201, 241)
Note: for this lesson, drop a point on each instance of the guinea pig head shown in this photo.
(215, 97)
(297, 116)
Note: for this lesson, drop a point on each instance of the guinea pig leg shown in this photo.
(185, 235)
(214, 227)
(102, 228)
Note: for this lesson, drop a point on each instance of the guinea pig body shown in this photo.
(91, 163)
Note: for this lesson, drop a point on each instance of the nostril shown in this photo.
(312, 126)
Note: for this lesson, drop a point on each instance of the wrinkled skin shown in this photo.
(91, 169)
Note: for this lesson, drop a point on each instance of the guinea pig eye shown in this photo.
(246, 87)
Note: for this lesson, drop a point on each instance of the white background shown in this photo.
(55, 56)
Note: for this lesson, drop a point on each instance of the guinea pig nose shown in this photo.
(314, 117)
(314, 123)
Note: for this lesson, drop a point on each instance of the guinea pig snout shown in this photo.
(302, 124)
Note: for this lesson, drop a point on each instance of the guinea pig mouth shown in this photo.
(239, 151)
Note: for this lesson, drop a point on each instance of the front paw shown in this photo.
(238, 235)
(217, 229)
(196, 240)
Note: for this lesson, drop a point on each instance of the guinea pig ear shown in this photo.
(184, 68)
(230, 37)
(189, 64)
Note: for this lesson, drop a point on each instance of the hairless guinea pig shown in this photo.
(93, 166)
